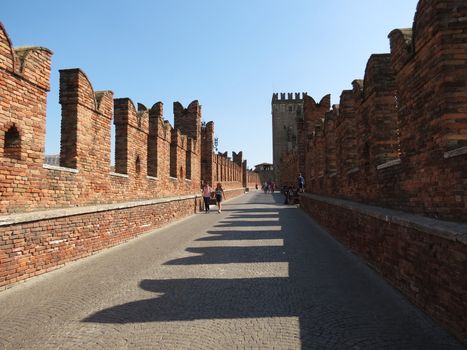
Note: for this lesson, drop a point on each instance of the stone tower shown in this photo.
(286, 113)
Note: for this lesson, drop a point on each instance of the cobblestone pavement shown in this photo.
(260, 275)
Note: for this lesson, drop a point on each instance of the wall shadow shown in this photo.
(247, 223)
(253, 216)
(241, 235)
(253, 210)
(231, 255)
(193, 299)
(339, 302)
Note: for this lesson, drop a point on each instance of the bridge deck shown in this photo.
(258, 275)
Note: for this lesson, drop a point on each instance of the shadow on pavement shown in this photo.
(247, 223)
(241, 235)
(192, 299)
(339, 302)
(229, 255)
(253, 216)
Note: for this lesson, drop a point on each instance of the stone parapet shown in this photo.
(425, 258)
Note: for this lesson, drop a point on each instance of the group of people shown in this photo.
(269, 186)
(291, 192)
(208, 194)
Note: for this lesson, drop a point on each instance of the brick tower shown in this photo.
(286, 113)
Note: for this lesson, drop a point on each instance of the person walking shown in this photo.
(206, 191)
(219, 196)
(301, 183)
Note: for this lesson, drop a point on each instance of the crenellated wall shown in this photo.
(24, 82)
(386, 168)
(398, 138)
(51, 214)
(231, 172)
(84, 176)
(313, 141)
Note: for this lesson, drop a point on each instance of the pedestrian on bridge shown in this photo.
(219, 196)
(301, 183)
(206, 190)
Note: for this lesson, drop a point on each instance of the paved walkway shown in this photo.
(260, 275)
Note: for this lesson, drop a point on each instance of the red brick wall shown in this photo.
(252, 180)
(34, 239)
(313, 142)
(85, 142)
(208, 168)
(85, 146)
(289, 165)
(24, 82)
(188, 120)
(330, 152)
(346, 144)
(424, 258)
(219, 167)
(432, 95)
(404, 130)
(399, 137)
(35, 244)
(155, 116)
(398, 140)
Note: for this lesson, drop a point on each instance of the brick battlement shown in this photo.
(232, 172)
(281, 98)
(387, 140)
(152, 158)
(398, 140)
(53, 214)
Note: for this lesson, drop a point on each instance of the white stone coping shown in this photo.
(118, 174)
(455, 152)
(233, 189)
(353, 170)
(59, 168)
(13, 219)
(388, 164)
(450, 230)
(19, 218)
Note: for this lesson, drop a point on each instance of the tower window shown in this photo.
(138, 166)
(12, 143)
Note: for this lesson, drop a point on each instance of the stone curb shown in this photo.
(446, 229)
(20, 218)
(13, 219)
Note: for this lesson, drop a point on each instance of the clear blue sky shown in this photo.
(230, 55)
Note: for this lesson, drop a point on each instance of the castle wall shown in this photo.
(216, 168)
(38, 242)
(398, 137)
(395, 156)
(424, 258)
(252, 180)
(24, 82)
(84, 175)
(313, 141)
(53, 214)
